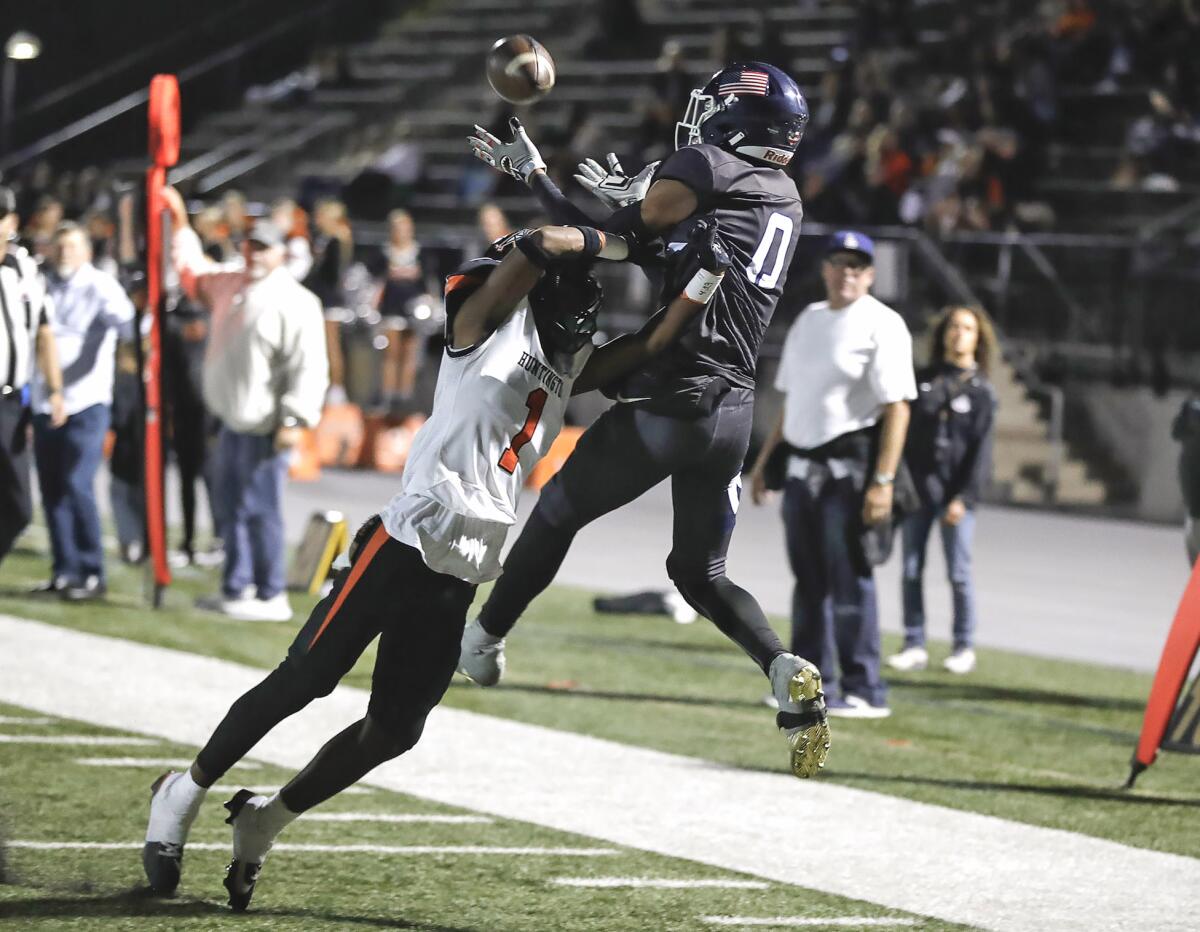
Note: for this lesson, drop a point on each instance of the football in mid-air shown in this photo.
(520, 69)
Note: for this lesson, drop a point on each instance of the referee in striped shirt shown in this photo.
(25, 336)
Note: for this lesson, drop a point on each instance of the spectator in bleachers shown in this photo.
(404, 304)
(102, 231)
(1158, 147)
(210, 226)
(91, 311)
(265, 376)
(619, 31)
(237, 221)
(26, 340)
(665, 98)
(39, 233)
(333, 250)
(493, 224)
(287, 215)
(948, 453)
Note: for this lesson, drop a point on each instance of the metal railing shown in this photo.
(136, 98)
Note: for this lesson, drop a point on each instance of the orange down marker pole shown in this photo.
(1178, 654)
(164, 152)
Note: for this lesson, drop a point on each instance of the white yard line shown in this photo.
(809, 922)
(919, 858)
(330, 849)
(26, 720)
(398, 817)
(654, 883)
(177, 763)
(81, 740)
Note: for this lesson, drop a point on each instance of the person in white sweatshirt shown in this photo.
(266, 370)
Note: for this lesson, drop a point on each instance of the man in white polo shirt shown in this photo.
(847, 377)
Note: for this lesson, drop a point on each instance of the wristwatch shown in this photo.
(883, 478)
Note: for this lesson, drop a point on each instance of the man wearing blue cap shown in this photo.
(847, 377)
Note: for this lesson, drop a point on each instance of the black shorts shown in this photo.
(630, 449)
(417, 613)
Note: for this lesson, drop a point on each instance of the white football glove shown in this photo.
(614, 187)
(519, 158)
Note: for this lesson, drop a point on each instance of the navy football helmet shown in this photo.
(751, 109)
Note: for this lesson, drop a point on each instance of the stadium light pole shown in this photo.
(21, 46)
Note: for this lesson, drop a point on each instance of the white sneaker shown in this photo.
(911, 658)
(680, 611)
(276, 608)
(857, 707)
(960, 662)
(481, 655)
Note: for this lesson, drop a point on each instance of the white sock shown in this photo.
(174, 809)
(258, 824)
(274, 816)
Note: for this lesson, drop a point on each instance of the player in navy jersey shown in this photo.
(686, 415)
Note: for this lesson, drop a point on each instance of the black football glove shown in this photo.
(705, 246)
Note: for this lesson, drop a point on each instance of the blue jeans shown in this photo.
(956, 544)
(67, 458)
(835, 615)
(249, 476)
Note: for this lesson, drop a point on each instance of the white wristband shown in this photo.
(703, 286)
(614, 248)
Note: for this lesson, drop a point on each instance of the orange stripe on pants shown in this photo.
(360, 565)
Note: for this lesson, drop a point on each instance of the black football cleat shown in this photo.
(242, 873)
(163, 863)
(240, 878)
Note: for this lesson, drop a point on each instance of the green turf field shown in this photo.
(1032, 740)
(47, 796)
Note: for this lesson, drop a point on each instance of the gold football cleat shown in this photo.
(802, 716)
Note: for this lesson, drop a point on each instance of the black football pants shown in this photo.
(418, 615)
(626, 452)
(16, 506)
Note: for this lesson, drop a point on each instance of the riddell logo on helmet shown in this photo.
(779, 158)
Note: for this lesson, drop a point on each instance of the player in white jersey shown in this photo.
(519, 328)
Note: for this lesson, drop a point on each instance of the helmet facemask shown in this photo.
(700, 107)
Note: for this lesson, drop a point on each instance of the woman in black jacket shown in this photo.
(948, 452)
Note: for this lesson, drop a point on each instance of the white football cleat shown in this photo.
(481, 655)
(251, 842)
(796, 685)
(961, 661)
(911, 658)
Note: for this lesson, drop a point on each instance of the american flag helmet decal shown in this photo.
(754, 83)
